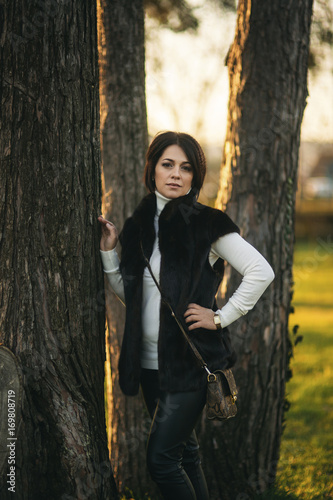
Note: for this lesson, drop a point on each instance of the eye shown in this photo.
(187, 168)
(166, 164)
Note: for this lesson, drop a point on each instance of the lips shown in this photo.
(173, 185)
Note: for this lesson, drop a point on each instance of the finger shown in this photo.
(202, 324)
(193, 310)
(193, 306)
(190, 313)
(190, 318)
(105, 222)
(106, 228)
(198, 324)
(102, 221)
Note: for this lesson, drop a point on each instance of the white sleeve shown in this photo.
(257, 275)
(110, 262)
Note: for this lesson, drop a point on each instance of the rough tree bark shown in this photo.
(267, 65)
(50, 194)
(124, 143)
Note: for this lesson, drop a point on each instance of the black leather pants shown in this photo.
(172, 450)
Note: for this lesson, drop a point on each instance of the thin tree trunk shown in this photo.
(124, 142)
(49, 260)
(268, 87)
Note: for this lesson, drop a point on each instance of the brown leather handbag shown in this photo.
(221, 395)
(221, 388)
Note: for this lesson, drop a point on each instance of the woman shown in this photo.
(186, 244)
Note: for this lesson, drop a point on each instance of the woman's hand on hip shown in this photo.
(200, 317)
(109, 238)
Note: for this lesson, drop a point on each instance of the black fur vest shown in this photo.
(187, 230)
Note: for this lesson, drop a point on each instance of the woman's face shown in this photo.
(173, 173)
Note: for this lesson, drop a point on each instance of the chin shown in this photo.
(174, 193)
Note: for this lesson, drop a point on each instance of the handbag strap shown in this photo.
(194, 349)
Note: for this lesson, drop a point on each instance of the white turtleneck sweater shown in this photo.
(257, 275)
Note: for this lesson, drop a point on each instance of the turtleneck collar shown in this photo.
(161, 201)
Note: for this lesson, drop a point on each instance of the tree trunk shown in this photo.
(268, 88)
(124, 143)
(50, 265)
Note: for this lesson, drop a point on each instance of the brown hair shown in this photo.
(189, 145)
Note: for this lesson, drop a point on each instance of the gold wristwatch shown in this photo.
(217, 321)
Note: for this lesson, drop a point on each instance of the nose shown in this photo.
(176, 172)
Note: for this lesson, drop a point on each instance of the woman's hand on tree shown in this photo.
(109, 238)
(200, 317)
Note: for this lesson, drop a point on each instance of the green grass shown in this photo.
(306, 462)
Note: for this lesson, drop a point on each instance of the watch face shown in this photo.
(217, 319)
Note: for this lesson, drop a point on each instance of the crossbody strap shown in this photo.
(194, 349)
